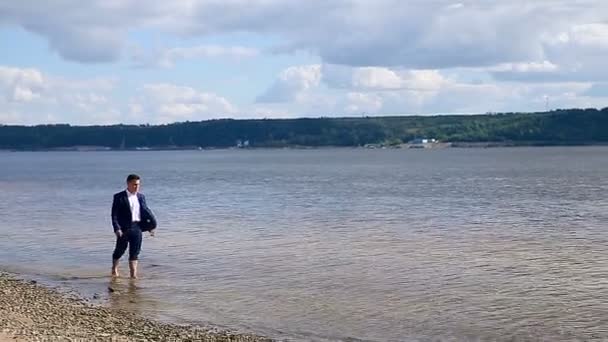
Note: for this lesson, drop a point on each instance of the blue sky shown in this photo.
(128, 61)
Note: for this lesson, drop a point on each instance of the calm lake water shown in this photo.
(336, 244)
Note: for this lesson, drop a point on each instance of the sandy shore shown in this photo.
(31, 312)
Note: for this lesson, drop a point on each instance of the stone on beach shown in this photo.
(31, 312)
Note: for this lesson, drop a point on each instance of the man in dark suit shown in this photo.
(130, 216)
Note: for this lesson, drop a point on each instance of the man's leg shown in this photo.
(115, 263)
(133, 268)
(135, 237)
(119, 250)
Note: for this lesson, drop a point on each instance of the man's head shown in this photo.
(133, 183)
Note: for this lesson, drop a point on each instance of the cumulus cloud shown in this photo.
(164, 102)
(411, 34)
(363, 103)
(30, 96)
(312, 86)
(438, 34)
(530, 67)
(378, 57)
(21, 85)
(594, 35)
(381, 78)
(292, 83)
(167, 58)
(268, 112)
(466, 98)
(345, 90)
(573, 53)
(376, 78)
(85, 33)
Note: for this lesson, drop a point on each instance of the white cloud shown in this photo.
(30, 96)
(167, 58)
(353, 90)
(376, 78)
(363, 102)
(530, 67)
(384, 91)
(576, 52)
(85, 32)
(594, 35)
(21, 85)
(411, 34)
(165, 102)
(385, 56)
(468, 98)
(7, 116)
(454, 6)
(423, 80)
(292, 83)
(268, 112)
(381, 78)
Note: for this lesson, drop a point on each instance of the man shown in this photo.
(130, 215)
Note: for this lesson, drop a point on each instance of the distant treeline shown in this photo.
(569, 127)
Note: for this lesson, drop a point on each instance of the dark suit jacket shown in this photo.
(121, 213)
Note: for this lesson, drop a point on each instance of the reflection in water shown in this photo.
(129, 295)
(124, 294)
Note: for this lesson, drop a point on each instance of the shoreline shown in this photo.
(404, 146)
(30, 311)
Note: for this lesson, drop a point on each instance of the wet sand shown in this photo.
(31, 312)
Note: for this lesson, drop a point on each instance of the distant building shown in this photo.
(422, 141)
(242, 143)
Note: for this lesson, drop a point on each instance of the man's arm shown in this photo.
(145, 210)
(115, 223)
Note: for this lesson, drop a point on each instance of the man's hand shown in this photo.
(153, 232)
(118, 233)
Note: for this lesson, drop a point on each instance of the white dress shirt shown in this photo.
(134, 204)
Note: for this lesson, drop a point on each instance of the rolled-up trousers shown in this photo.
(130, 238)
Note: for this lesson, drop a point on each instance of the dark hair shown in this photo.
(132, 177)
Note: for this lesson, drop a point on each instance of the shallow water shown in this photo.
(381, 245)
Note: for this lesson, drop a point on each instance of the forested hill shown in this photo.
(568, 127)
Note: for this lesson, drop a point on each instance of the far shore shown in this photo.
(438, 145)
(32, 312)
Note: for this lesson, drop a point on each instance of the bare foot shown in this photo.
(133, 269)
(115, 274)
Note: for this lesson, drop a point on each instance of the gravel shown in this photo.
(31, 312)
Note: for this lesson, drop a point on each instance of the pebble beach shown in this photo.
(32, 312)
